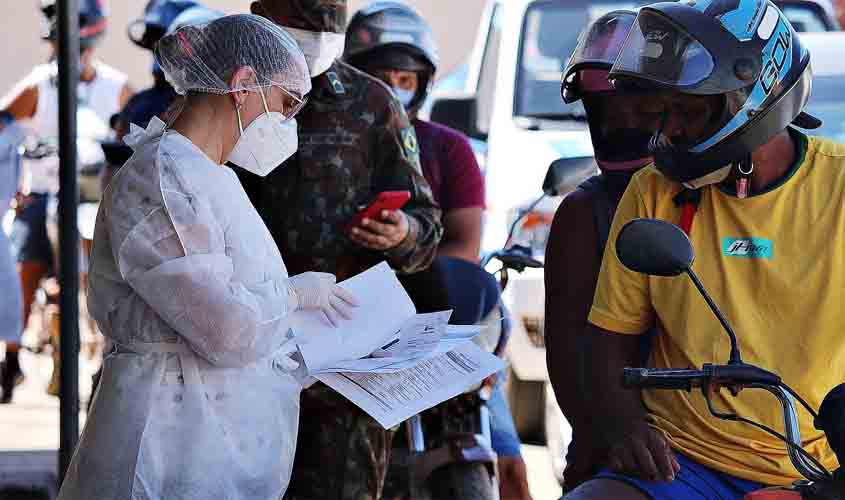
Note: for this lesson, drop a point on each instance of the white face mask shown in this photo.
(265, 143)
(404, 96)
(320, 48)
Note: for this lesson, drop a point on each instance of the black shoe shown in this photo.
(10, 370)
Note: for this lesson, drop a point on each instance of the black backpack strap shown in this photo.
(603, 207)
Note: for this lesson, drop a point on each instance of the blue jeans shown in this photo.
(502, 429)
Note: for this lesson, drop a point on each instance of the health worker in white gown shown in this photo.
(198, 400)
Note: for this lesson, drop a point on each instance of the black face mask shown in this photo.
(623, 145)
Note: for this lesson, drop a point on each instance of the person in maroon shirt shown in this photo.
(450, 167)
(405, 59)
(447, 159)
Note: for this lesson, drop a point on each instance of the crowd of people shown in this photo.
(230, 183)
(341, 136)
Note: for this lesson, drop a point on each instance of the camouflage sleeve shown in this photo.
(398, 168)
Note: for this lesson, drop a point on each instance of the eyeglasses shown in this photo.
(289, 111)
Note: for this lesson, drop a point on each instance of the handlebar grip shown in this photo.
(661, 378)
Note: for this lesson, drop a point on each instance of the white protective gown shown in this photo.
(187, 282)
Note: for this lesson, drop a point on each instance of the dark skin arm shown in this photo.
(571, 271)
(635, 448)
(21, 103)
(585, 363)
(461, 234)
(126, 93)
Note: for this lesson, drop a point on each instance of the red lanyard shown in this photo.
(688, 199)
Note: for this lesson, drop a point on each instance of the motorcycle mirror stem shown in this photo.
(660, 248)
(562, 176)
(521, 215)
(735, 358)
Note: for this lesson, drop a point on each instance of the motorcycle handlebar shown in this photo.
(675, 378)
(740, 375)
(662, 378)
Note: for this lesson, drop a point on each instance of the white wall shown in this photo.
(454, 22)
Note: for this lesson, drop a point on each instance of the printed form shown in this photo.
(388, 360)
(391, 398)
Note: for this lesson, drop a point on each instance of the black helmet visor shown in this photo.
(660, 51)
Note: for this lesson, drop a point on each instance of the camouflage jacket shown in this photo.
(354, 142)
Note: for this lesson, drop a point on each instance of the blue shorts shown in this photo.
(29, 232)
(693, 482)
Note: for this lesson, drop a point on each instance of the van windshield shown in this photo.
(549, 35)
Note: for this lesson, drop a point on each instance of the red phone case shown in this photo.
(386, 200)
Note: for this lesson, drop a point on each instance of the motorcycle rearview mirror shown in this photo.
(654, 247)
(565, 174)
(659, 248)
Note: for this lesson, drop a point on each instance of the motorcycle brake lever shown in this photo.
(707, 390)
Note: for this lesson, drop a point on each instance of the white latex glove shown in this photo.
(282, 359)
(320, 291)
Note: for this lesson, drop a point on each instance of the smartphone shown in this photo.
(386, 200)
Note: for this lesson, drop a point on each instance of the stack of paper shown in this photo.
(389, 360)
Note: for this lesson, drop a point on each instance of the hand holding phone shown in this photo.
(386, 200)
(381, 225)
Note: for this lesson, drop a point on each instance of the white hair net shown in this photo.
(203, 57)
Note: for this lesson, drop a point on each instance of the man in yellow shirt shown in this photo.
(764, 208)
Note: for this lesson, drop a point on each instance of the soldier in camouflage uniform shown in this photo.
(354, 142)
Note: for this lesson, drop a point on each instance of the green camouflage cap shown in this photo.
(311, 15)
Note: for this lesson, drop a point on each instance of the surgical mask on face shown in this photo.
(404, 96)
(265, 143)
(320, 48)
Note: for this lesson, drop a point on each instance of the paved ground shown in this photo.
(31, 425)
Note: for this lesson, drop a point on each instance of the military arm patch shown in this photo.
(409, 142)
(334, 81)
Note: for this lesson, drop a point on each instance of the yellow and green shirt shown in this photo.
(775, 265)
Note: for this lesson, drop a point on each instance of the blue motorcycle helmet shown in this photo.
(146, 31)
(742, 52)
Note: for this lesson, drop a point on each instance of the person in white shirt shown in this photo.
(33, 104)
